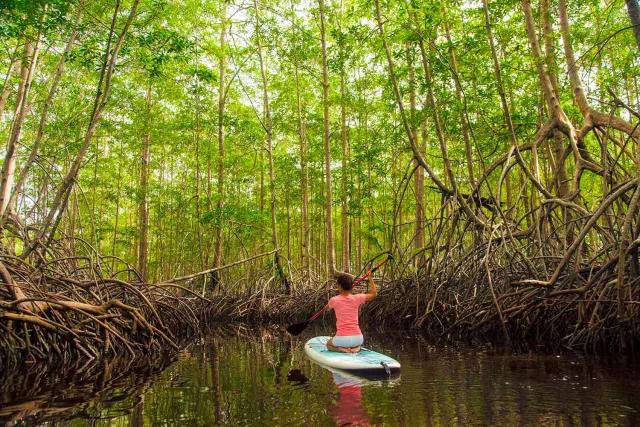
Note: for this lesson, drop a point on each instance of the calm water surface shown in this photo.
(247, 378)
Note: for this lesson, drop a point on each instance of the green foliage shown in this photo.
(172, 51)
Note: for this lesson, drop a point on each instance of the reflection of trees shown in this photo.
(454, 388)
(104, 389)
(215, 379)
(137, 415)
(257, 379)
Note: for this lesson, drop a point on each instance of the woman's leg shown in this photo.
(346, 344)
(331, 347)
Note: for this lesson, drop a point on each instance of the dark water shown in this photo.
(247, 378)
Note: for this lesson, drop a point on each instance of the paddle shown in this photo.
(297, 328)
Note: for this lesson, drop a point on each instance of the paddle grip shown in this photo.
(370, 272)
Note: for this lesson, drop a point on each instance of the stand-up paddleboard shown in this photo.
(365, 361)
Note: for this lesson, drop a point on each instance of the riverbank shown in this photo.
(80, 306)
(574, 315)
(87, 306)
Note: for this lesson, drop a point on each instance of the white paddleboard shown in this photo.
(365, 361)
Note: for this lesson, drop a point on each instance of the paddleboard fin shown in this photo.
(386, 368)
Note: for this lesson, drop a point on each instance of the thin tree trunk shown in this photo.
(633, 7)
(7, 174)
(202, 250)
(418, 241)
(117, 215)
(464, 125)
(268, 127)
(24, 171)
(499, 83)
(412, 137)
(440, 133)
(326, 135)
(6, 87)
(346, 247)
(304, 184)
(143, 202)
(559, 167)
(103, 90)
(217, 256)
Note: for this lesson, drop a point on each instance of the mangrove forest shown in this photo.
(170, 167)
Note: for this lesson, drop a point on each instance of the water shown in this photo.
(247, 378)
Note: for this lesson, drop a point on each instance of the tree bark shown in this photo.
(217, 255)
(633, 7)
(7, 174)
(268, 127)
(418, 241)
(143, 202)
(102, 95)
(346, 244)
(24, 171)
(464, 125)
(326, 139)
(305, 243)
(6, 87)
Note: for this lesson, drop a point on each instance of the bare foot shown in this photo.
(354, 349)
(331, 347)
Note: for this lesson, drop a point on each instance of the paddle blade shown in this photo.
(297, 328)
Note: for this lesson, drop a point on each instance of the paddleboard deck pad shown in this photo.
(365, 361)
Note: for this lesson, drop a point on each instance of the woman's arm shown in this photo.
(373, 290)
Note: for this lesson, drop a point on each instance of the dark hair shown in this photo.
(345, 280)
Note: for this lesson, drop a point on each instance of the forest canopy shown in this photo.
(486, 142)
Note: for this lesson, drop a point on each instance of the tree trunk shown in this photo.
(6, 87)
(464, 125)
(143, 202)
(102, 95)
(24, 171)
(304, 184)
(440, 133)
(326, 135)
(633, 7)
(500, 86)
(418, 241)
(268, 127)
(217, 255)
(407, 127)
(7, 174)
(346, 246)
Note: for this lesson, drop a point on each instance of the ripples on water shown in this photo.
(265, 379)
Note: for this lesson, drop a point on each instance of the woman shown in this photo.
(348, 338)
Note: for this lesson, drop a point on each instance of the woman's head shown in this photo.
(344, 280)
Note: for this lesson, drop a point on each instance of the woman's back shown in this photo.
(346, 308)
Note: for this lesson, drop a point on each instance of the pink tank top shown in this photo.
(346, 309)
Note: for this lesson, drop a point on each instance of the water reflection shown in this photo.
(265, 379)
(35, 394)
(348, 410)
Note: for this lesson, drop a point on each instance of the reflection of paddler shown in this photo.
(348, 410)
